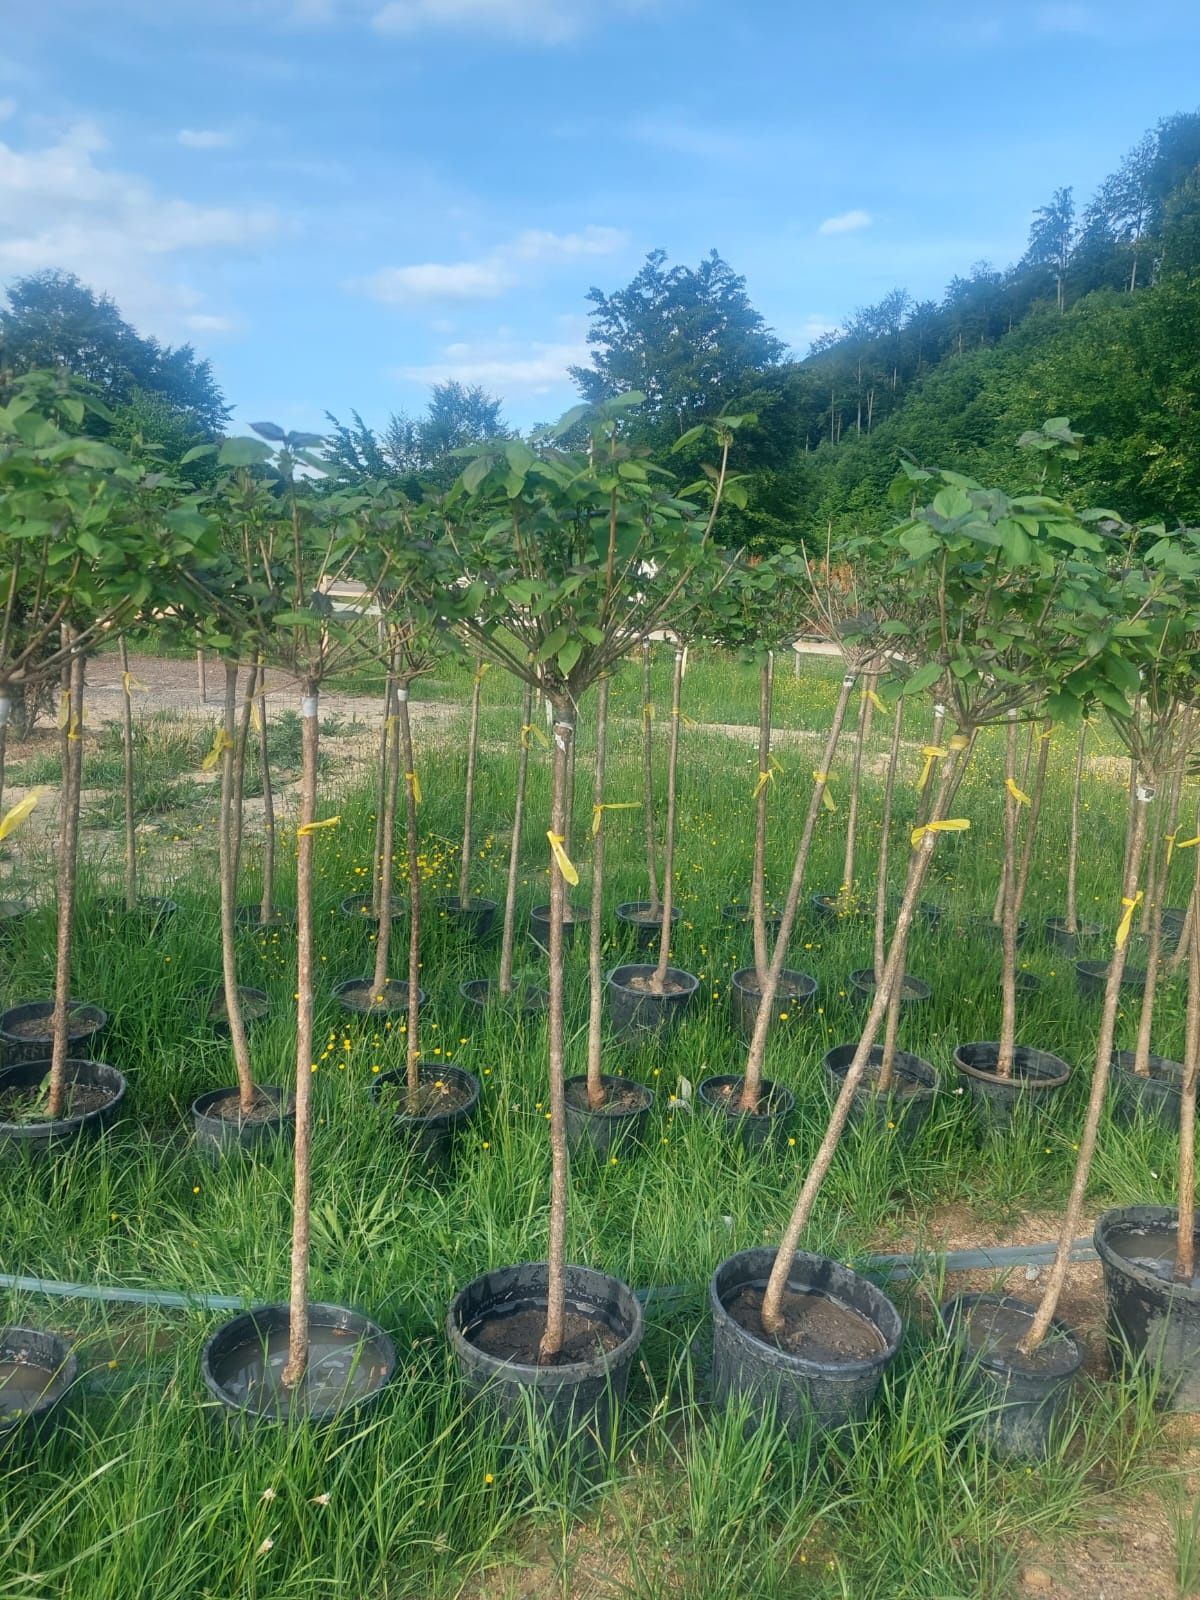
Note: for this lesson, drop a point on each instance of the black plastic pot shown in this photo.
(633, 915)
(256, 1007)
(38, 1138)
(796, 990)
(282, 920)
(150, 912)
(915, 991)
(539, 925)
(1024, 1397)
(982, 925)
(351, 1362)
(609, 1131)
(430, 1135)
(1025, 984)
(526, 1000)
(636, 1013)
(1091, 979)
(13, 916)
(1036, 1077)
(85, 1024)
(766, 1126)
(1172, 919)
(217, 1136)
(1055, 932)
(394, 1002)
(1156, 1095)
(46, 1366)
(737, 913)
(358, 908)
(1151, 1319)
(476, 921)
(834, 908)
(802, 1393)
(573, 1398)
(903, 1111)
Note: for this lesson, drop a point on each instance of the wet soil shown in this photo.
(254, 1006)
(264, 1109)
(433, 1097)
(618, 1097)
(342, 1368)
(816, 1326)
(28, 1105)
(1153, 1250)
(515, 1336)
(365, 997)
(644, 984)
(997, 1330)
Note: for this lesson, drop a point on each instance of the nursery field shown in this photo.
(143, 1489)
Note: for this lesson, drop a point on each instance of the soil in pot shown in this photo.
(221, 1126)
(27, 1102)
(1036, 1077)
(525, 999)
(816, 1325)
(94, 1095)
(1156, 1095)
(36, 1371)
(255, 1006)
(719, 1097)
(250, 916)
(26, 1031)
(616, 1125)
(476, 921)
(795, 989)
(1055, 930)
(1091, 979)
(539, 924)
(636, 1010)
(1024, 1394)
(360, 996)
(903, 1110)
(359, 909)
(646, 922)
(742, 916)
(1152, 1319)
(428, 1122)
(350, 1360)
(862, 980)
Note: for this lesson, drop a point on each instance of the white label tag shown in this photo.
(308, 705)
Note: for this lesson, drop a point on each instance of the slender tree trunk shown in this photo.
(383, 939)
(556, 1254)
(1037, 795)
(1027, 763)
(464, 871)
(1188, 935)
(1072, 918)
(412, 846)
(266, 912)
(297, 1360)
(864, 728)
(239, 767)
(893, 975)
(668, 878)
(648, 779)
(228, 870)
(887, 1064)
(1185, 1248)
(1008, 920)
(595, 1086)
(889, 791)
(935, 740)
(514, 850)
(131, 883)
(1040, 1325)
(1159, 851)
(388, 733)
(5, 714)
(752, 1077)
(201, 683)
(758, 875)
(68, 867)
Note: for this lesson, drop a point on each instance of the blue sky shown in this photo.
(340, 201)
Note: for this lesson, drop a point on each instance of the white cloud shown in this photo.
(846, 222)
(205, 138)
(491, 275)
(1066, 18)
(8, 107)
(60, 207)
(814, 326)
(503, 365)
(539, 21)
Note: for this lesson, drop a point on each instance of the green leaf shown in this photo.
(269, 430)
(243, 453)
(569, 655)
(197, 453)
(923, 678)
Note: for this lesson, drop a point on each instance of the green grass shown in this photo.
(138, 1494)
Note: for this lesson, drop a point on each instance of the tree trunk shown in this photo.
(935, 740)
(1185, 1248)
(131, 883)
(658, 984)
(201, 684)
(1156, 888)
(68, 867)
(893, 974)
(514, 850)
(239, 768)
(556, 1254)
(648, 779)
(758, 875)
(5, 714)
(228, 871)
(1072, 917)
(864, 728)
(1104, 1048)
(595, 1088)
(1188, 935)
(388, 731)
(752, 1077)
(1008, 916)
(889, 791)
(413, 1032)
(266, 910)
(464, 871)
(383, 939)
(1037, 795)
(298, 1314)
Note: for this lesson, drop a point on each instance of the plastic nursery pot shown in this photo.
(221, 1128)
(643, 920)
(13, 916)
(915, 990)
(795, 989)
(36, 1371)
(1025, 984)
(1091, 979)
(93, 1103)
(1151, 1318)
(525, 999)
(1172, 920)
(476, 920)
(256, 1005)
(903, 1110)
(539, 924)
(282, 919)
(494, 1326)
(447, 1100)
(358, 908)
(1036, 1077)
(26, 1033)
(358, 996)
(840, 1333)
(1056, 934)
(1156, 1094)
(1024, 1394)
(612, 1128)
(636, 1013)
(837, 908)
(768, 1125)
(150, 912)
(350, 1363)
(982, 925)
(741, 916)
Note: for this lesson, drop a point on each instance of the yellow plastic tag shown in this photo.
(601, 807)
(1018, 795)
(414, 784)
(64, 708)
(129, 683)
(827, 799)
(311, 827)
(869, 694)
(764, 778)
(255, 717)
(221, 743)
(932, 753)
(950, 825)
(561, 858)
(531, 730)
(1131, 903)
(13, 819)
